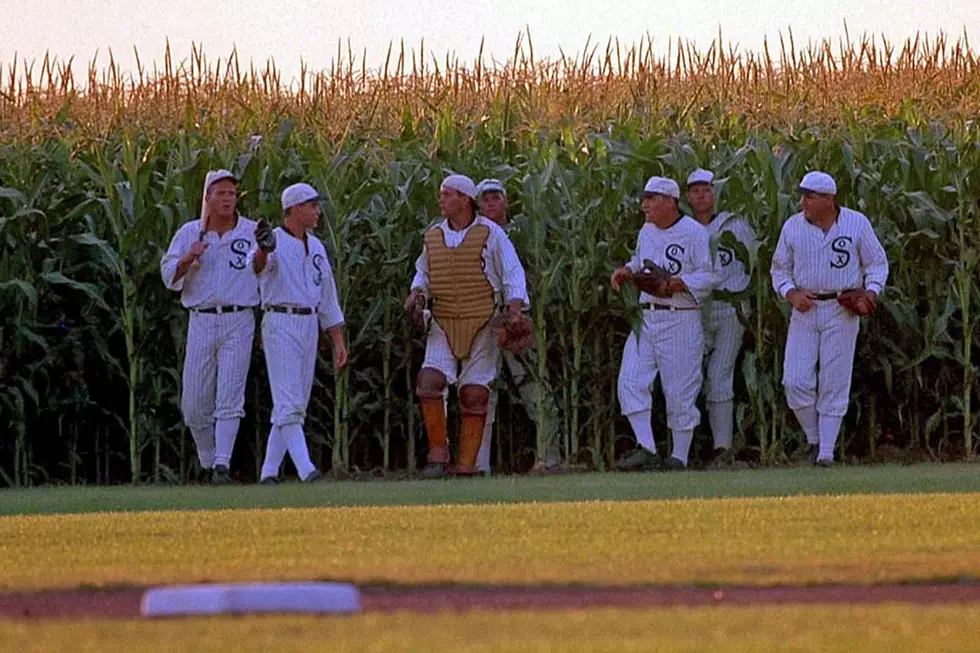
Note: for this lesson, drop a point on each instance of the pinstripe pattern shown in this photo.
(219, 346)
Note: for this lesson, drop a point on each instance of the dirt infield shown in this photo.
(125, 603)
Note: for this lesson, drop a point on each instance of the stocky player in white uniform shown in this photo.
(469, 270)
(299, 299)
(823, 250)
(206, 263)
(670, 342)
(722, 330)
(492, 199)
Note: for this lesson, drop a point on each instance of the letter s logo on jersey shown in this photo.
(239, 247)
(318, 266)
(672, 253)
(842, 255)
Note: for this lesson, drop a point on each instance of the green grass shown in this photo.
(888, 479)
(857, 629)
(861, 539)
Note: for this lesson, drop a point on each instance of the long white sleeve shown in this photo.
(511, 271)
(328, 310)
(700, 280)
(874, 261)
(179, 245)
(782, 264)
(421, 279)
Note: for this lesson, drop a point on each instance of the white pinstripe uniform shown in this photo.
(506, 277)
(298, 276)
(219, 344)
(821, 342)
(670, 342)
(722, 329)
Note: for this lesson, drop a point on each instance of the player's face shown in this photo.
(657, 207)
(701, 197)
(308, 214)
(222, 198)
(452, 203)
(816, 205)
(494, 206)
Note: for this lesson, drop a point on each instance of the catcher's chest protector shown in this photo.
(462, 297)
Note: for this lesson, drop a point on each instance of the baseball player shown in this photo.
(825, 253)
(299, 299)
(206, 263)
(670, 341)
(722, 330)
(492, 199)
(468, 269)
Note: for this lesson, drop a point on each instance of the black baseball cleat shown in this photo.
(313, 476)
(221, 476)
(824, 463)
(722, 457)
(812, 451)
(269, 480)
(641, 460)
(434, 471)
(202, 476)
(674, 465)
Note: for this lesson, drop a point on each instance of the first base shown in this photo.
(250, 598)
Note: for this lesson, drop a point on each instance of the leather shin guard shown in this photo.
(469, 443)
(434, 415)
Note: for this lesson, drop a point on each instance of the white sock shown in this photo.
(807, 417)
(642, 430)
(225, 432)
(721, 416)
(829, 429)
(204, 440)
(275, 451)
(682, 445)
(295, 440)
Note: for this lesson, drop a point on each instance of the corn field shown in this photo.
(97, 174)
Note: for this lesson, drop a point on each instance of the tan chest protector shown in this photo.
(462, 297)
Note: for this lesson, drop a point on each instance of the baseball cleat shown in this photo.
(674, 465)
(811, 453)
(220, 476)
(723, 457)
(640, 460)
(313, 476)
(434, 471)
(269, 480)
(823, 462)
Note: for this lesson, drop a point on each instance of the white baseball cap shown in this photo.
(214, 176)
(299, 194)
(461, 184)
(819, 182)
(700, 176)
(489, 186)
(662, 186)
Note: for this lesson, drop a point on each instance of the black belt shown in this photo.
(222, 309)
(294, 310)
(651, 306)
(824, 296)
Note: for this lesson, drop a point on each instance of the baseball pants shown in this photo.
(722, 340)
(219, 350)
(290, 345)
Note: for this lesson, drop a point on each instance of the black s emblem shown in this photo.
(239, 247)
(671, 254)
(318, 266)
(842, 255)
(725, 256)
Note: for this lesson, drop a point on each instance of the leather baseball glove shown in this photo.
(858, 301)
(265, 238)
(652, 279)
(515, 333)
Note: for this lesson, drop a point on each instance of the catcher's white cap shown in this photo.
(700, 176)
(299, 194)
(214, 176)
(490, 185)
(662, 186)
(819, 182)
(460, 184)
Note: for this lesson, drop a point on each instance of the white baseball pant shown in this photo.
(723, 340)
(290, 344)
(479, 369)
(219, 351)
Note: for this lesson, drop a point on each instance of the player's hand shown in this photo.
(414, 300)
(619, 277)
(801, 300)
(340, 357)
(196, 251)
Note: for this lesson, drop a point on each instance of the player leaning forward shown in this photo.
(470, 270)
(830, 266)
(670, 341)
(206, 263)
(299, 299)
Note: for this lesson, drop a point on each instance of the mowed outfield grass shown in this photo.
(761, 540)
(848, 629)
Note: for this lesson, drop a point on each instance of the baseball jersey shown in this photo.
(730, 274)
(224, 277)
(683, 249)
(500, 262)
(299, 274)
(848, 256)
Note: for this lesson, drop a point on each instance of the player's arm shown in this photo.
(331, 316)
(873, 259)
(782, 265)
(179, 257)
(512, 277)
(261, 255)
(624, 273)
(699, 280)
(420, 283)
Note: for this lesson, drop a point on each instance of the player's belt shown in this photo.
(651, 306)
(824, 296)
(292, 310)
(222, 309)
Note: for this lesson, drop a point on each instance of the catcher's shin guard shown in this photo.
(434, 415)
(475, 402)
